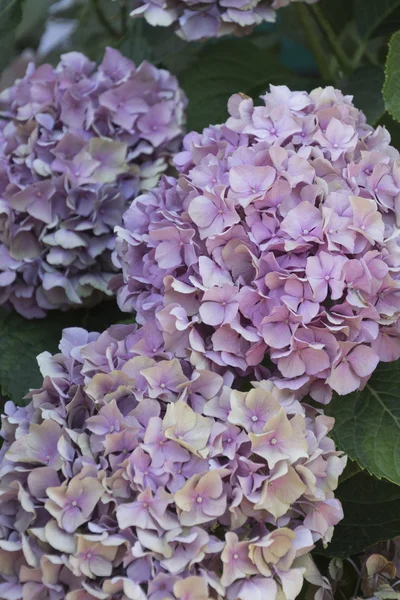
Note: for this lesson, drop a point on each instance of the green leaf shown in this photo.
(367, 424)
(365, 84)
(10, 16)
(377, 17)
(223, 69)
(32, 26)
(351, 469)
(135, 45)
(21, 341)
(371, 515)
(391, 90)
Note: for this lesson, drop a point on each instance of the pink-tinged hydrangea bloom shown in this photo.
(131, 475)
(291, 209)
(77, 144)
(195, 20)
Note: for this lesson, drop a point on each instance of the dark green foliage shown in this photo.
(371, 509)
(368, 423)
(22, 340)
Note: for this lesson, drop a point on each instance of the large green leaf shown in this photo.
(159, 45)
(365, 84)
(371, 514)
(21, 341)
(225, 68)
(391, 90)
(377, 17)
(10, 16)
(367, 424)
(134, 44)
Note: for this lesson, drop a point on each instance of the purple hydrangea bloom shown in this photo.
(77, 143)
(279, 239)
(131, 475)
(196, 20)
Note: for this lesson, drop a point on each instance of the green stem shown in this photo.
(313, 39)
(330, 35)
(103, 20)
(362, 47)
(124, 17)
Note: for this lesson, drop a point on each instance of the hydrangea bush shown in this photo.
(278, 243)
(196, 20)
(186, 453)
(77, 143)
(133, 475)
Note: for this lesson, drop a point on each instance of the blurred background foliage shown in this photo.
(351, 44)
(340, 42)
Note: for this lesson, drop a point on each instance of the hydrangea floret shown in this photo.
(132, 475)
(77, 144)
(196, 20)
(278, 244)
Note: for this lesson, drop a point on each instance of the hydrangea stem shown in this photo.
(313, 39)
(330, 35)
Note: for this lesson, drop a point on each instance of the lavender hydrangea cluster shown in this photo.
(132, 475)
(278, 244)
(195, 20)
(77, 143)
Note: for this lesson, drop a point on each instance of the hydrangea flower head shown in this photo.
(278, 244)
(195, 20)
(131, 475)
(77, 143)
